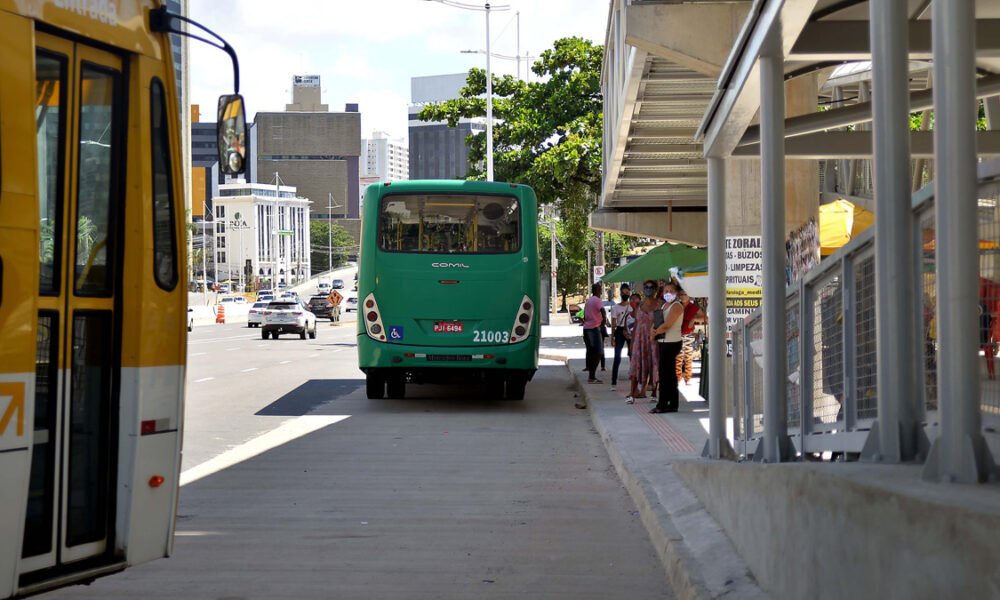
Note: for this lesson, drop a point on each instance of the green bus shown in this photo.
(448, 286)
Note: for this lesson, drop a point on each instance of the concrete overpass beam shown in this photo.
(684, 227)
(695, 36)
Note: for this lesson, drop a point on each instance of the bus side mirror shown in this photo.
(231, 130)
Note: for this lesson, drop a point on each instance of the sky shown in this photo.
(366, 51)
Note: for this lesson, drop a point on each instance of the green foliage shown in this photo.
(547, 134)
(343, 245)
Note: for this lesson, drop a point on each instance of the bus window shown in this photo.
(50, 124)
(450, 224)
(164, 235)
(97, 189)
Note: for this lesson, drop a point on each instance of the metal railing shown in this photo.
(831, 393)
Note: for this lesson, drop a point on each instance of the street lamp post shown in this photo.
(487, 7)
(329, 231)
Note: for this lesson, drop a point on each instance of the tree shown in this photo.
(343, 246)
(548, 134)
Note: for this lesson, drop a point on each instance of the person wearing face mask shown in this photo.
(668, 337)
(619, 316)
(644, 360)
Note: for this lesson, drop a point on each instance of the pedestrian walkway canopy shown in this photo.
(656, 263)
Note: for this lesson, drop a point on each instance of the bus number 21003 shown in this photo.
(490, 337)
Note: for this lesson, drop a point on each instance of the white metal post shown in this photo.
(554, 261)
(717, 445)
(489, 102)
(895, 435)
(776, 444)
(959, 454)
(329, 233)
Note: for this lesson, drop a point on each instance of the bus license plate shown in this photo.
(449, 327)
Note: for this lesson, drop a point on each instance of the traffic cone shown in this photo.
(220, 313)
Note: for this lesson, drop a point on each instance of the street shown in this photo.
(297, 486)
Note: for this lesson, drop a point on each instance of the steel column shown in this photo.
(894, 436)
(959, 453)
(717, 445)
(777, 446)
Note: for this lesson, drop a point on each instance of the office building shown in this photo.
(261, 234)
(313, 149)
(438, 151)
(385, 159)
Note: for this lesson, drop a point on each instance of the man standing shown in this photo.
(594, 318)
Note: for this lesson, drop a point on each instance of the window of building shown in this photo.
(222, 257)
(220, 212)
(222, 242)
(220, 227)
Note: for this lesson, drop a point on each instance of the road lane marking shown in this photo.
(248, 370)
(284, 433)
(284, 362)
(198, 354)
(312, 356)
(204, 379)
(231, 349)
(223, 339)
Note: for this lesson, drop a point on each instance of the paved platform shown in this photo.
(698, 557)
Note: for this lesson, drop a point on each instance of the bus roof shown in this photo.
(123, 24)
(446, 185)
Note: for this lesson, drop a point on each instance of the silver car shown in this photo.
(256, 315)
(288, 317)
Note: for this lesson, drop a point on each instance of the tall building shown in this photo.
(385, 158)
(438, 151)
(313, 149)
(261, 234)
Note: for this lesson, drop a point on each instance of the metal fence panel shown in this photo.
(866, 355)
(989, 301)
(928, 281)
(792, 393)
(828, 352)
(755, 366)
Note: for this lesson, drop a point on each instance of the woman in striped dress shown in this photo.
(644, 359)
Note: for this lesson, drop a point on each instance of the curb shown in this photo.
(698, 568)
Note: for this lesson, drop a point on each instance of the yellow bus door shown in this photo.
(80, 113)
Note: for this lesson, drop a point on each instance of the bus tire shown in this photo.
(264, 334)
(396, 388)
(515, 387)
(374, 386)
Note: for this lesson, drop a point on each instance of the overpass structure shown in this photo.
(733, 118)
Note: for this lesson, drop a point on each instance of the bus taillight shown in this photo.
(523, 320)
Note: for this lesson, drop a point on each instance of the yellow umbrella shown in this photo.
(839, 222)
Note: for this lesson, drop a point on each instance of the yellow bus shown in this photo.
(92, 309)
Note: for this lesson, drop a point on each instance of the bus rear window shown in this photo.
(449, 224)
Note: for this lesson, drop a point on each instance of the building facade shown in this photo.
(385, 159)
(438, 151)
(313, 149)
(261, 235)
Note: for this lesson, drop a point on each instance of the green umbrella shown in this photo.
(656, 263)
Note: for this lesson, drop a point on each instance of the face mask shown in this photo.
(668, 297)
(648, 292)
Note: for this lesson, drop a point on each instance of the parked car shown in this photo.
(232, 300)
(224, 288)
(256, 315)
(338, 284)
(264, 292)
(351, 303)
(190, 319)
(321, 306)
(287, 317)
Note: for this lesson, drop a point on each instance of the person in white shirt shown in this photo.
(619, 316)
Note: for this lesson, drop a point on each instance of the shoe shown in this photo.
(594, 381)
(657, 411)
(629, 400)
(580, 405)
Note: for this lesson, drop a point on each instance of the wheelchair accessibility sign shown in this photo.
(396, 333)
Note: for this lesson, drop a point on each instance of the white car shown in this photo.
(323, 289)
(265, 298)
(232, 300)
(256, 315)
(351, 303)
(282, 316)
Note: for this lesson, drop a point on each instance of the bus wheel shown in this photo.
(396, 387)
(374, 386)
(515, 387)
(264, 334)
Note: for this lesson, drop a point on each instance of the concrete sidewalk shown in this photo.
(698, 557)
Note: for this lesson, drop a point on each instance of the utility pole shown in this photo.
(329, 232)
